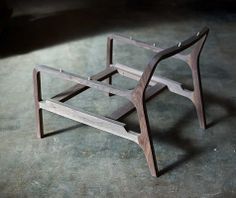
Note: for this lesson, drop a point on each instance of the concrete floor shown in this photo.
(75, 160)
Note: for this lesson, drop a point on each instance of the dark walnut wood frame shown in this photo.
(147, 86)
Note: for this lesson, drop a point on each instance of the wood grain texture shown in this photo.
(197, 93)
(78, 88)
(82, 80)
(138, 94)
(145, 139)
(147, 87)
(88, 118)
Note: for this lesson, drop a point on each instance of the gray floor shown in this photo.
(79, 161)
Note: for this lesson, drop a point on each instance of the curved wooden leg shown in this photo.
(145, 140)
(197, 92)
(198, 103)
(197, 95)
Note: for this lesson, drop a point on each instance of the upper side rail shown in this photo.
(84, 81)
(144, 45)
(185, 44)
(199, 38)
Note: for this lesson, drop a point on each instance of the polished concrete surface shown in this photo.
(75, 160)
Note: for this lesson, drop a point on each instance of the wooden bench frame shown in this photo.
(147, 87)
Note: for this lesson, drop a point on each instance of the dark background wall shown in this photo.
(40, 23)
(51, 5)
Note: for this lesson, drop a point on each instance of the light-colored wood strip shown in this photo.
(96, 121)
(129, 107)
(78, 88)
(172, 85)
(82, 80)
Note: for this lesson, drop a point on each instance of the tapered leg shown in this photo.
(37, 99)
(198, 103)
(145, 140)
(197, 95)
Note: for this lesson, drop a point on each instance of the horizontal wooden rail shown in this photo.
(173, 86)
(129, 107)
(88, 118)
(78, 88)
(141, 44)
(82, 80)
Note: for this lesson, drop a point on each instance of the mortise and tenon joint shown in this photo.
(148, 85)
